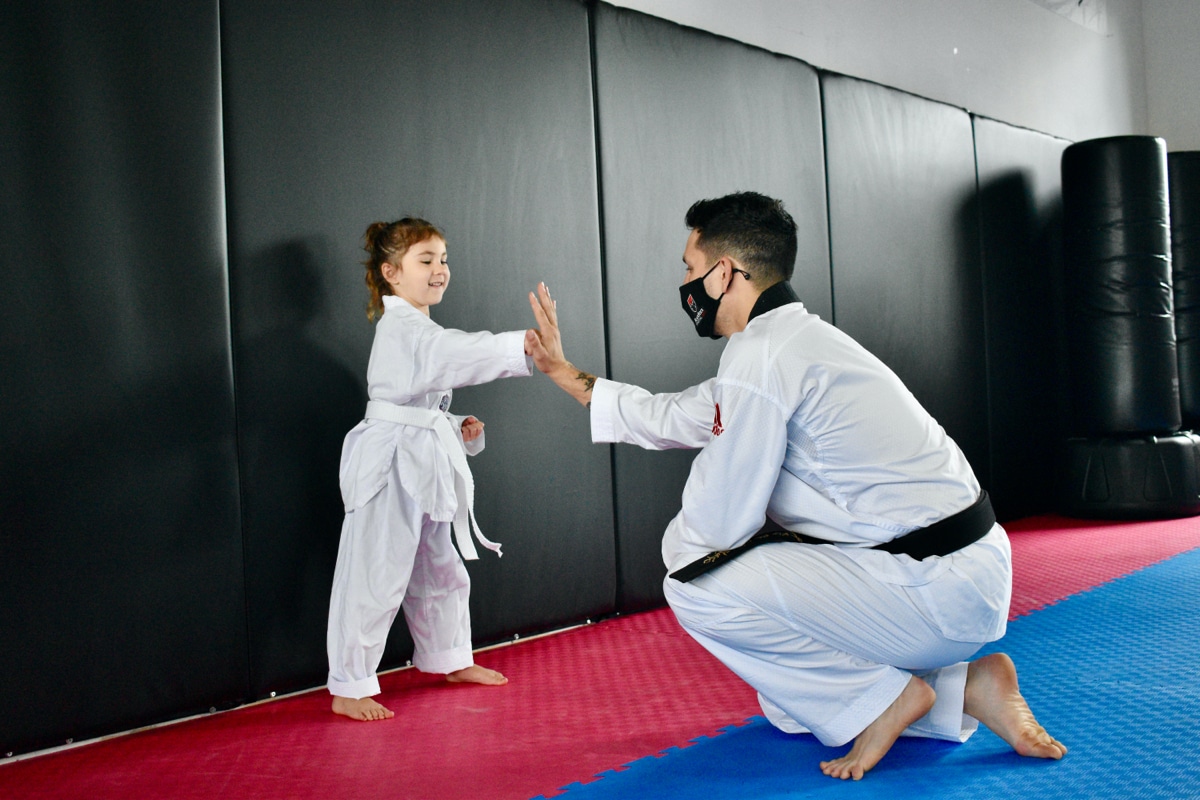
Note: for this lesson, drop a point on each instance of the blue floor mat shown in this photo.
(1113, 672)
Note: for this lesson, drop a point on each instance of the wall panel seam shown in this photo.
(605, 325)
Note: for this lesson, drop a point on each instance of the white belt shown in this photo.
(464, 484)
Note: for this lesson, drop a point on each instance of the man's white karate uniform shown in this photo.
(401, 491)
(803, 424)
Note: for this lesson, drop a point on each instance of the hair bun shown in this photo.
(374, 231)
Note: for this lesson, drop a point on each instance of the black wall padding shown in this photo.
(1183, 171)
(162, 553)
(477, 116)
(120, 547)
(1020, 214)
(905, 242)
(1121, 334)
(683, 116)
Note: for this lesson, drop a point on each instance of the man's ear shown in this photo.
(728, 266)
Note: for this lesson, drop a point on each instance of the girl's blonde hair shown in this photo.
(386, 242)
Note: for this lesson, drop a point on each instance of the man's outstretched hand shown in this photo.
(544, 345)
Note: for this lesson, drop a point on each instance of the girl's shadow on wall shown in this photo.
(295, 403)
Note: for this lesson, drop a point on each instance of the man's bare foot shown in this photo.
(364, 708)
(877, 738)
(477, 674)
(993, 698)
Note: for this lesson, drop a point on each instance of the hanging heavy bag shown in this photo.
(1120, 321)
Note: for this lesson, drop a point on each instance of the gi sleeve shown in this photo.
(445, 358)
(624, 413)
(732, 480)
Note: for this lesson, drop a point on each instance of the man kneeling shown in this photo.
(880, 568)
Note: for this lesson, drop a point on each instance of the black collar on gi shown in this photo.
(774, 296)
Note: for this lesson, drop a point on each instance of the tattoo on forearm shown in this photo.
(588, 380)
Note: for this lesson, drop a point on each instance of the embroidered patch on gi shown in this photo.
(442, 406)
(717, 428)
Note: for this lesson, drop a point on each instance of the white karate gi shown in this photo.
(398, 487)
(803, 424)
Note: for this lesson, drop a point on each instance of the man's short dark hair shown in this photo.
(750, 227)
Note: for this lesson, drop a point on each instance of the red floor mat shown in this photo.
(1054, 557)
(578, 703)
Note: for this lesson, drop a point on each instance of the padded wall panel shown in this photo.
(478, 116)
(685, 116)
(1020, 213)
(120, 550)
(905, 243)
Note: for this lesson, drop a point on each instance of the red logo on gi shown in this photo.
(718, 428)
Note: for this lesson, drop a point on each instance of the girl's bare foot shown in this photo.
(874, 742)
(993, 698)
(477, 674)
(364, 708)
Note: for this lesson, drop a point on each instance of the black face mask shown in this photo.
(700, 308)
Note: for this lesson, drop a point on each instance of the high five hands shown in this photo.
(544, 346)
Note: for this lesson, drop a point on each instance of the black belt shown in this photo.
(939, 539)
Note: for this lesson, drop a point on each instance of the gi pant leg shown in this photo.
(827, 646)
(392, 554)
(437, 604)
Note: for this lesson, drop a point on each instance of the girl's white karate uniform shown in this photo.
(401, 492)
(803, 423)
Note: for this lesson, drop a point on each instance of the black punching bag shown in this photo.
(1121, 326)
(1184, 171)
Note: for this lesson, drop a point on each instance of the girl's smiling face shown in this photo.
(422, 275)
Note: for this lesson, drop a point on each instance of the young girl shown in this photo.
(404, 477)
